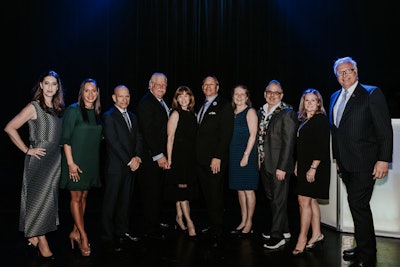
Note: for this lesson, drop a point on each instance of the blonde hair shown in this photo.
(302, 114)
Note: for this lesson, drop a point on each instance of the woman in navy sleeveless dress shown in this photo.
(243, 172)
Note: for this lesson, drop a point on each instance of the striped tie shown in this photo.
(341, 107)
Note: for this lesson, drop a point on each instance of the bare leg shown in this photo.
(243, 209)
(315, 221)
(179, 216)
(305, 220)
(250, 207)
(186, 212)
(78, 207)
(44, 246)
(34, 240)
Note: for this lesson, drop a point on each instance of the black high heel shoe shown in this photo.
(45, 258)
(236, 231)
(245, 235)
(316, 243)
(32, 250)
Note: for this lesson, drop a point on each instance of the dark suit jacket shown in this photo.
(121, 144)
(280, 141)
(153, 124)
(365, 134)
(215, 132)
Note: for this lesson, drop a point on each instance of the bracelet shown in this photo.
(246, 153)
(27, 150)
(312, 167)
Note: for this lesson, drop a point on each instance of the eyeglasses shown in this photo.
(347, 72)
(209, 84)
(269, 93)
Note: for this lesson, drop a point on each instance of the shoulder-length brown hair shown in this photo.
(183, 89)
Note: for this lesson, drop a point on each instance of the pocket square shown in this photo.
(212, 113)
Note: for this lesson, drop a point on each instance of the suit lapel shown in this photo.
(333, 103)
(211, 108)
(350, 102)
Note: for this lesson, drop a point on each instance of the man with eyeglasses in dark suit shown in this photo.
(362, 144)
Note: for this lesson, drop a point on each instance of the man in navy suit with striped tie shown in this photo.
(362, 143)
(124, 157)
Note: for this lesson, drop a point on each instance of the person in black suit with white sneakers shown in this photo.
(123, 158)
(362, 144)
(276, 144)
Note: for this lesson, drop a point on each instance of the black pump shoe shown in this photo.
(245, 235)
(236, 231)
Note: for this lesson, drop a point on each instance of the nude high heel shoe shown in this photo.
(85, 250)
(74, 238)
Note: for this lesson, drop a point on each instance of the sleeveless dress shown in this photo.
(84, 138)
(247, 177)
(183, 160)
(39, 194)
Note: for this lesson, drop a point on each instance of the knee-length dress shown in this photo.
(183, 160)
(247, 177)
(85, 139)
(313, 143)
(39, 194)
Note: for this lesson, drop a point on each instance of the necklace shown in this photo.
(301, 126)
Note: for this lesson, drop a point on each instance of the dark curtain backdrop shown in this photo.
(242, 41)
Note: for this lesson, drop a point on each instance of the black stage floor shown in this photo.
(176, 249)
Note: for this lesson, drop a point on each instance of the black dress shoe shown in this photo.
(112, 246)
(155, 235)
(349, 257)
(360, 263)
(205, 230)
(129, 237)
(350, 252)
(165, 226)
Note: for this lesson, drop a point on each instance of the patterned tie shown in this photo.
(128, 122)
(202, 110)
(341, 107)
(165, 106)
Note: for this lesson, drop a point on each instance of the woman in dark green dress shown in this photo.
(81, 139)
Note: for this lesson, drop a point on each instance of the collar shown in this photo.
(351, 89)
(265, 108)
(120, 109)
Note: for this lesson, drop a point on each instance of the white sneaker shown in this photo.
(285, 235)
(274, 243)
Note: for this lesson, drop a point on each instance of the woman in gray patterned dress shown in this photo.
(42, 168)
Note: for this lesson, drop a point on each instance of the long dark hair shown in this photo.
(81, 102)
(58, 98)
